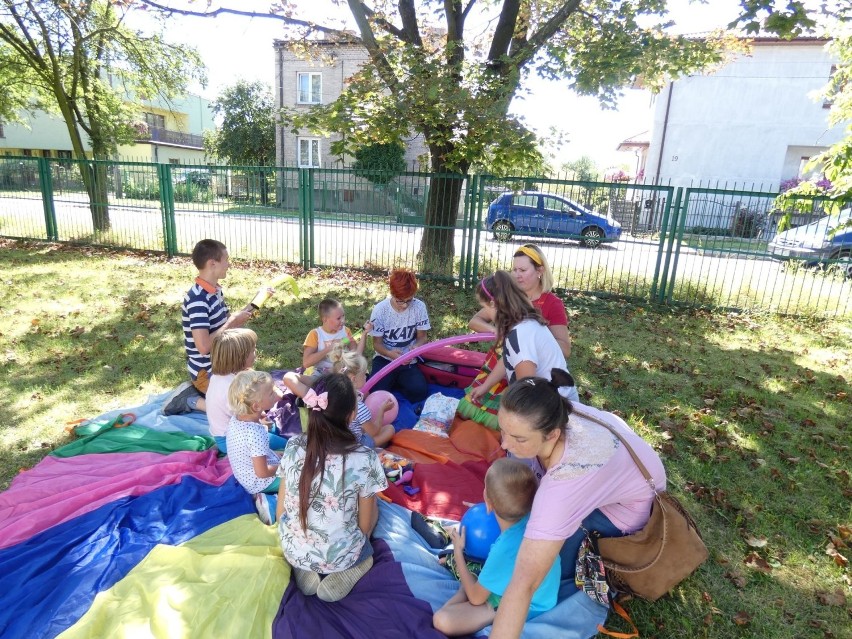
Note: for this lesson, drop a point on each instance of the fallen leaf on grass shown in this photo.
(839, 559)
(755, 561)
(836, 598)
(845, 532)
(736, 578)
(742, 618)
(756, 542)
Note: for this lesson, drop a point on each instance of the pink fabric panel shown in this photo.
(59, 489)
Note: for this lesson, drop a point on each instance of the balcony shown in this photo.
(175, 138)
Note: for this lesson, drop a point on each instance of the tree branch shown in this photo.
(526, 52)
(408, 14)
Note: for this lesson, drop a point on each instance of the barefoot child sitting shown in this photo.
(327, 498)
(250, 395)
(510, 486)
(332, 332)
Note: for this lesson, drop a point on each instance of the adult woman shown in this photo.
(532, 273)
(589, 482)
(529, 348)
(399, 326)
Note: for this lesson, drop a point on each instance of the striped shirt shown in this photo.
(203, 307)
(362, 417)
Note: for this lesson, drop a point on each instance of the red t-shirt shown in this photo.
(552, 309)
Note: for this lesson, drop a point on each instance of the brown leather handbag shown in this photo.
(652, 561)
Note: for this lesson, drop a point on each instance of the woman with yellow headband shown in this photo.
(532, 273)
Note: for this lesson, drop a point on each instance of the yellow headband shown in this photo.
(530, 253)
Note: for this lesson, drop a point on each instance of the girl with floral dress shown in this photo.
(327, 497)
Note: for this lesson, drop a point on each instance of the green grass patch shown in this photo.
(751, 413)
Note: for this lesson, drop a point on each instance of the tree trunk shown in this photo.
(97, 187)
(437, 247)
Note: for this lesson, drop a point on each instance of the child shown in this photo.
(400, 324)
(204, 313)
(510, 486)
(233, 350)
(369, 430)
(327, 499)
(321, 341)
(254, 464)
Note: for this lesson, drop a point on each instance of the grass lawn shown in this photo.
(751, 413)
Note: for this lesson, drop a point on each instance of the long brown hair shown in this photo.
(328, 434)
(510, 304)
(538, 402)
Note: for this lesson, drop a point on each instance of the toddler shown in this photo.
(510, 486)
(327, 498)
(250, 395)
(322, 340)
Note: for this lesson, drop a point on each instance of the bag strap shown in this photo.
(621, 612)
(626, 444)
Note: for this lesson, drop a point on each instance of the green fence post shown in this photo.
(311, 218)
(306, 214)
(469, 204)
(677, 241)
(167, 208)
(670, 216)
(477, 230)
(45, 178)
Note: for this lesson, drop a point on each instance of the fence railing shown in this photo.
(698, 245)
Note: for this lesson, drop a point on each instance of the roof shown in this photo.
(638, 141)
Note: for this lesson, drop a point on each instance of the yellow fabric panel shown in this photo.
(227, 582)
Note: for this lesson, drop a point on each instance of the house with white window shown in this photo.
(753, 122)
(167, 133)
(302, 82)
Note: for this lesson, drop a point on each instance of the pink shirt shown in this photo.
(596, 471)
(218, 411)
(552, 309)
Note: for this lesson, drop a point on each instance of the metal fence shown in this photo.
(698, 246)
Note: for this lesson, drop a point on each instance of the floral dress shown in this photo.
(332, 541)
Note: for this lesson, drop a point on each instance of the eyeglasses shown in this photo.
(403, 302)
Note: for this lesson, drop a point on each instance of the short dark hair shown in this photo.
(327, 306)
(207, 250)
(510, 487)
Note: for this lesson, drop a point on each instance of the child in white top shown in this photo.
(322, 340)
(251, 394)
(232, 350)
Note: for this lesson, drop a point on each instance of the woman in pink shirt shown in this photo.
(588, 482)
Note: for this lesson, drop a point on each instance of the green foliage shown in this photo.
(247, 133)
(379, 162)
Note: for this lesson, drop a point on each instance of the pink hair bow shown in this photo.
(316, 402)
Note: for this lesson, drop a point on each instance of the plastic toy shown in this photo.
(375, 400)
(481, 531)
(397, 469)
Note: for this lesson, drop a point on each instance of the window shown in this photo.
(63, 155)
(826, 104)
(309, 88)
(27, 153)
(309, 152)
(46, 153)
(155, 120)
(527, 200)
(174, 160)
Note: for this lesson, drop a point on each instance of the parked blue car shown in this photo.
(816, 244)
(549, 216)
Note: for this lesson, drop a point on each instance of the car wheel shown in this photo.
(592, 236)
(502, 230)
(844, 262)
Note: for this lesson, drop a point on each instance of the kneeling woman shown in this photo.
(589, 482)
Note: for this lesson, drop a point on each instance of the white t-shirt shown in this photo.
(530, 341)
(218, 411)
(398, 329)
(244, 441)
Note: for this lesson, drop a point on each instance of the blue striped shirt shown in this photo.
(201, 309)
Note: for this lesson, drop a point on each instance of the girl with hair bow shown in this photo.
(327, 495)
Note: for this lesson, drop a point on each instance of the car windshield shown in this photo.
(829, 222)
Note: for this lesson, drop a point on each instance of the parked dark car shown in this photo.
(549, 216)
(200, 179)
(821, 242)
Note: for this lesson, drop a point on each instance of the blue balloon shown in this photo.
(481, 531)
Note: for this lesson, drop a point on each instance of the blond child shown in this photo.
(233, 350)
(250, 395)
(370, 430)
(332, 332)
(510, 487)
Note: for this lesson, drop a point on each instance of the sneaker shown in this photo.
(337, 585)
(265, 506)
(177, 403)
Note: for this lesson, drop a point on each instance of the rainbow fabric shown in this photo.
(142, 531)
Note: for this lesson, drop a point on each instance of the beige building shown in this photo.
(302, 83)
